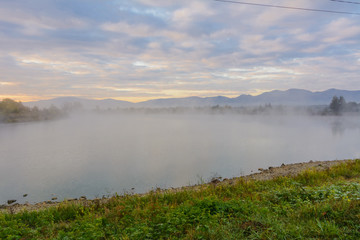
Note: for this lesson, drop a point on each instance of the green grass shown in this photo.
(312, 205)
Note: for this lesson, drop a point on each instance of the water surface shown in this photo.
(96, 155)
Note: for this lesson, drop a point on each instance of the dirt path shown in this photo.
(263, 174)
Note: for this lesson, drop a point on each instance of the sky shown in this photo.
(136, 50)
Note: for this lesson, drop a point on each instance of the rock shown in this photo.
(25, 195)
(82, 198)
(311, 161)
(215, 181)
(261, 169)
(11, 201)
(283, 165)
(54, 198)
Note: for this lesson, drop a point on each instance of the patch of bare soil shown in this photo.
(263, 174)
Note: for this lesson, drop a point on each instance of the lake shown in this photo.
(96, 155)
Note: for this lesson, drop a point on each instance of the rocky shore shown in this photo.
(263, 174)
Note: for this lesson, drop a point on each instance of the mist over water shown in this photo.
(95, 155)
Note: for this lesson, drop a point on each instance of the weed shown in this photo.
(314, 204)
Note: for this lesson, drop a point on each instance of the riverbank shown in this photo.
(316, 200)
(263, 174)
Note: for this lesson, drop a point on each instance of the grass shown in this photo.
(312, 205)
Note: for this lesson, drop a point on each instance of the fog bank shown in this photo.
(97, 154)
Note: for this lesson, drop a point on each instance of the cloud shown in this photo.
(259, 45)
(37, 21)
(134, 30)
(341, 29)
(151, 66)
(185, 16)
(148, 49)
(8, 83)
(56, 64)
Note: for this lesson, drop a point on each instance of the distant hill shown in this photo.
(293, 97)
(84, 103)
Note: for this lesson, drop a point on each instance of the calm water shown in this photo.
(100, 155)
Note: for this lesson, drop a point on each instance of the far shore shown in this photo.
(262, 175)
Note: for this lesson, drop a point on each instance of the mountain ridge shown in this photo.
(293, 97)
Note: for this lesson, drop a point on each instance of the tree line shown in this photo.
(12, 111)
(339, 106)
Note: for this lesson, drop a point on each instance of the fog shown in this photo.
(100, 154)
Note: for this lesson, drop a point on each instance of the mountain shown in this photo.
(187, 102)
(83, 102)
(350, 96)
(293, 97)
(277, 97)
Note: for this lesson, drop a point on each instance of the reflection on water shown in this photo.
(338, 128)
(97, 155)
(341, 124)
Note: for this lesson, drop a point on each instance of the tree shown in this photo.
(12, 111)
(337, 105)
(8, 106)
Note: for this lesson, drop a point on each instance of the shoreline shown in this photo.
(263, 175)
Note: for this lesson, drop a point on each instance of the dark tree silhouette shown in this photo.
(337, 105)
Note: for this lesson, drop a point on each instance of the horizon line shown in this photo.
(164, 98)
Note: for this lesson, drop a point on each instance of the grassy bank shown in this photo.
(314, 204)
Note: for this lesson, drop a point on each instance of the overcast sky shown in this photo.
(137, 50)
